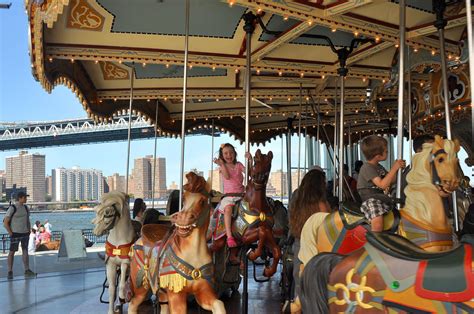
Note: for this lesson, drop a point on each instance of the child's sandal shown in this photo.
(231, 242)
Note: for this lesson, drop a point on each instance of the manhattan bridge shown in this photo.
(26, 135)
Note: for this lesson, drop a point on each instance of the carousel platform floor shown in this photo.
(63, 287)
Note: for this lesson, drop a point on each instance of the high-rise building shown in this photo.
(27, 171)
(173, 186)
(3, 181)
(217, 184)
(49, 185)
(76, 184)
(116, 182)
(142, 174)
(275, 180)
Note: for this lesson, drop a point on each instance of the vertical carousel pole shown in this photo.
(281, 171)
(439, 7)
(212, 153)
(299, 135)
(249, 27)
(154, 157)
(349, 152)
(401, 87)
(471, 59)
(183, 114)
(288, 159)
(334, 149)
(318, 141)
(342, 74)
(129, 127)
(410, 140)
(306, 141)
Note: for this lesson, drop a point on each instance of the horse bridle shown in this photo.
(436, 180)
(201, 219)
(260, 177)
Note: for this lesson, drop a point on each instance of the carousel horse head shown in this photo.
(440, 165)
(260, 170)
(112, 208)
(195, 212)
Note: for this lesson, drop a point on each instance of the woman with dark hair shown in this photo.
(138, 209)
(310, 198)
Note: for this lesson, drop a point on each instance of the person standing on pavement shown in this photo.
(17, 223)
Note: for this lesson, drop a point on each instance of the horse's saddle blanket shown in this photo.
(445, 276)
(242, 218)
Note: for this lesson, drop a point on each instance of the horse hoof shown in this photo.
(122, 301)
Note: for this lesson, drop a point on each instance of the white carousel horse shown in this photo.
(113, 216)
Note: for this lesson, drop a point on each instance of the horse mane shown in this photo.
(108, 199)
(419, 203)
(196, 184)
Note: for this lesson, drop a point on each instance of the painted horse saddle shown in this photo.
(444, 276)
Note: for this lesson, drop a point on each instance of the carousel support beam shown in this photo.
(183, 113)
(281, 170)
(154, 156)
(132, 75)
(347, 6)
(453, 21)
(212, 153)
(334, 148)
(282, 39)
(401, 89)
(439, 7)
(299, 134)
(288, 158)
(410, 139)
(470, 45)
(249, 28)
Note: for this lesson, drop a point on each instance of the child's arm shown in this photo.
(391, 175)
(376, 224)
(222, 168)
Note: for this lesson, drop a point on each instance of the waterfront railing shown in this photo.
(55, 235)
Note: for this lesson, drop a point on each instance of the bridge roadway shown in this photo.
(26, 135)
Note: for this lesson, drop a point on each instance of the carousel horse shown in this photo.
(391, 274)
(423, 220)
(255, 219)
(177, 260)
(113, 216)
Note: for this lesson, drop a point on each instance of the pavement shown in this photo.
(75, 286)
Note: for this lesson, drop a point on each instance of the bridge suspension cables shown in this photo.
(26, 135)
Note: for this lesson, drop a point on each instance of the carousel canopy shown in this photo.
(92, 46)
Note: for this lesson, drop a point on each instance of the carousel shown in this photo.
(331, 72)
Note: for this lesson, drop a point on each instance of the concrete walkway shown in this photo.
(75, 287)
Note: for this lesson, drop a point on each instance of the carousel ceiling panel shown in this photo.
(161, 71)
(277, 23)
(381, 59)
(387, 14)
(426, 6)
(166, 17)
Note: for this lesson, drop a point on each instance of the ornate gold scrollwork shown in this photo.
(358, 289)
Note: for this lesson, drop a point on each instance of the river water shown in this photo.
(61, 220)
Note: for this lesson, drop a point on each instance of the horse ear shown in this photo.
(457, 145)
(270, 155)
(438, 142)
(258, 152)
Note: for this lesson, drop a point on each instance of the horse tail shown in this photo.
(314, 293)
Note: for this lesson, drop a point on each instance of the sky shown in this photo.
(23, 99)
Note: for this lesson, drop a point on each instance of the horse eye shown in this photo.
(441, 160)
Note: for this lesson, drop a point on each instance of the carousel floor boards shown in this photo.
(78, 292)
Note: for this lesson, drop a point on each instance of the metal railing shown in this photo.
(55, 235)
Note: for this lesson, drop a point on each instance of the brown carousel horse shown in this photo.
(433, 175)
(390, 274)
(255, 218)
(179, 262)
